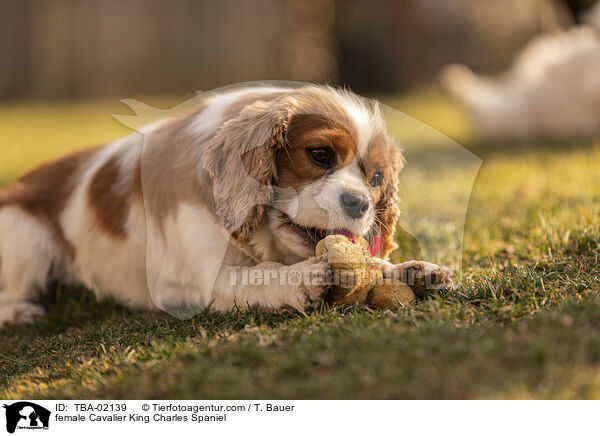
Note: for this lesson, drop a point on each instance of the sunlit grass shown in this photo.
(34, 133)
(524, 321)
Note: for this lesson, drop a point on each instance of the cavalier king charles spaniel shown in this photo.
(187, 213)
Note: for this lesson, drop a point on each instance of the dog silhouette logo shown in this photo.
(26, 415)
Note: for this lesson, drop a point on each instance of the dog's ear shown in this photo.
(241, 162)
(387, 207)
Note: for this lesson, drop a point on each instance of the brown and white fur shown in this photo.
(157, 219)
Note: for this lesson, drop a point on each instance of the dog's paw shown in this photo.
(423, 277)
(309, 284)
(19, 313)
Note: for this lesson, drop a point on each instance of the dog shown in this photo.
(551, 92)
(176, 216)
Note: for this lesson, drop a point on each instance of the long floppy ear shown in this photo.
(387, 207)
(240, 160)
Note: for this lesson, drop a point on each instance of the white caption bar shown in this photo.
(298, 417)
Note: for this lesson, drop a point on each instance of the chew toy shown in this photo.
(358, 279)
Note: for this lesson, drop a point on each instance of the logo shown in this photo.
(26, 415)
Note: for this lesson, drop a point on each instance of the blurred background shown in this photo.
(65, 64)
(66, 49)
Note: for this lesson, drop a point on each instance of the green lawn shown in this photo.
(524, 321)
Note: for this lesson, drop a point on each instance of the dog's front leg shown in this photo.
(272, 285)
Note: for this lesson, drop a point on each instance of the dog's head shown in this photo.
(306, 163)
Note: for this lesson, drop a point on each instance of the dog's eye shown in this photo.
(322, 156)
(376, 180)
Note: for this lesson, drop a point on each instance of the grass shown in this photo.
(523, 323)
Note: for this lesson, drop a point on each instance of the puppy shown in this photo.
(189, 212)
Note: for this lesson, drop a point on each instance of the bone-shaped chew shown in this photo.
(358, 279)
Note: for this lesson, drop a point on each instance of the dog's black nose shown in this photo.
(355, 205)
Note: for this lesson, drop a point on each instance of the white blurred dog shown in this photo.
(551, 92)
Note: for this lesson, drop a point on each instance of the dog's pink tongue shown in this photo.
(347, 234)
(375, 245)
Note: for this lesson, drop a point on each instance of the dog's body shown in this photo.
(160, 219)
